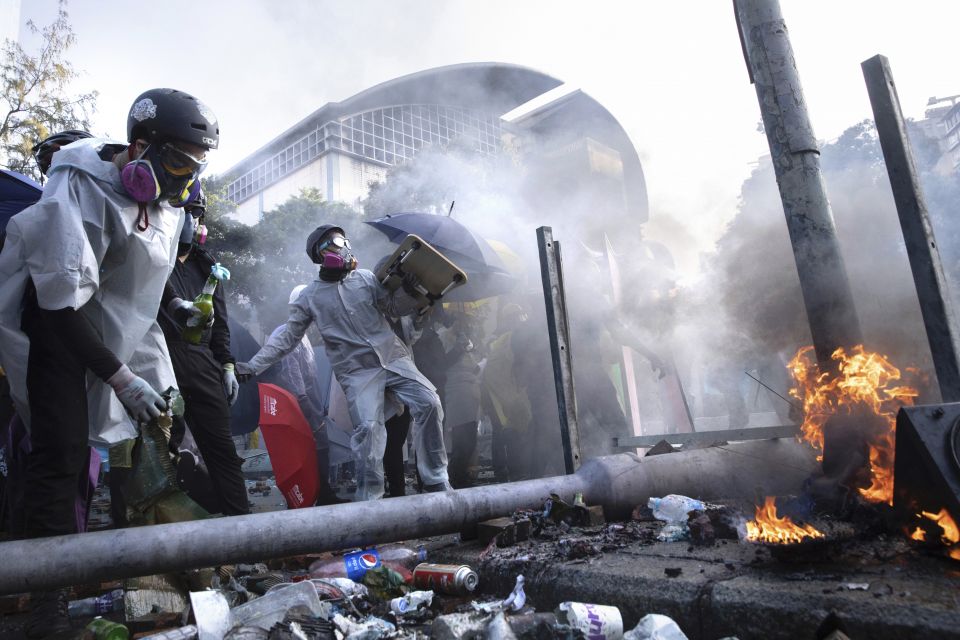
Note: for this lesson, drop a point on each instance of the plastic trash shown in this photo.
(103, 629)
(411, 602)
(596, 621)
(370, 628)
(247, 633)
(341, 587)
(674, 508)
(517, 598)
(269, 609)
(97, 606)
(402, 555)
(188, 632)
(212, 613)
(654, 626)
(351, 565)
(499, 629)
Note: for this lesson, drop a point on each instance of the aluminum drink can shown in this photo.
(451, 579)
(596, 621)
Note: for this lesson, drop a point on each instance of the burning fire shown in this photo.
(864, 380)
(770, 528)
(951, 533)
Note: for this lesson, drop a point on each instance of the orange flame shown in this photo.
(770, 528)
(951, 533)
(864, 380)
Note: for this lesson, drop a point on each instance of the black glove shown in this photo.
(243, 371)
(410, 284)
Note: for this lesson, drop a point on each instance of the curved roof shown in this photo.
(576, 114)
(493, 87)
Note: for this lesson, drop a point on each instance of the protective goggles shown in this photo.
(337, 241)
(178, 162)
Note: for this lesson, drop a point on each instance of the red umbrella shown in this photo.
(290, 445)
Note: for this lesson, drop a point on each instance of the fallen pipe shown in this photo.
(619, 483)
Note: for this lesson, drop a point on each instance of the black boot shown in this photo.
(48, 615)
(326, 494)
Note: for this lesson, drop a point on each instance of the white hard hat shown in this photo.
(297, 290)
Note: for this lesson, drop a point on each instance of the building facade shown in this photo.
(344, 147)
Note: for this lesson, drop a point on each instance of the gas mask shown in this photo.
(338, 260)
(163, 171)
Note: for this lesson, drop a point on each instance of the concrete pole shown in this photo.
(618, 483)
(796, 162)
(939, 317)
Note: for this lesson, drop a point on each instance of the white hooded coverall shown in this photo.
(81, 248)
(368, 359)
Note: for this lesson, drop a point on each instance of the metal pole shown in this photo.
(618, 483)
(796, 162)
(939, 317)
(558, 326)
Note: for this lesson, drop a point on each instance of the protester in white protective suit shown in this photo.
(349, 308)
(82, 273)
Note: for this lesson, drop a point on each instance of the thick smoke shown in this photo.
(752, 277)
(742, 313)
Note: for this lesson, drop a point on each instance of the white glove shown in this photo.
(244, 371)
(187, 313)
(230, 385)
(137, 396)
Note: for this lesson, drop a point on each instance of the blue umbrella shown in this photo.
(17, 192)
(450, 237)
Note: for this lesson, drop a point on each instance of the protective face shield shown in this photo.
(176, 171)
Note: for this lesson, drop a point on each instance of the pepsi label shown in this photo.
(359, 562)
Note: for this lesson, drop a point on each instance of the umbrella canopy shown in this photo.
(450, 237)
(486, 273)
(17, 192)
(291, 446)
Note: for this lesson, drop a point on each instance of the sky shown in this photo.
(671, 72)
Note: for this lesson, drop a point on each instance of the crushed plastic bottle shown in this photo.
(188, 632)
(411, 602)
(97, 606)
(353, 565)
(402, 555)
(673, 509)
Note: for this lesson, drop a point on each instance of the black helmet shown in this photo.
(159, 115)
(198, 206)
(314, 239)
(43, 151)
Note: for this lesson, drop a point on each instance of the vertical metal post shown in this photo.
(938, 315)
(796, 162)
(558, 326)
